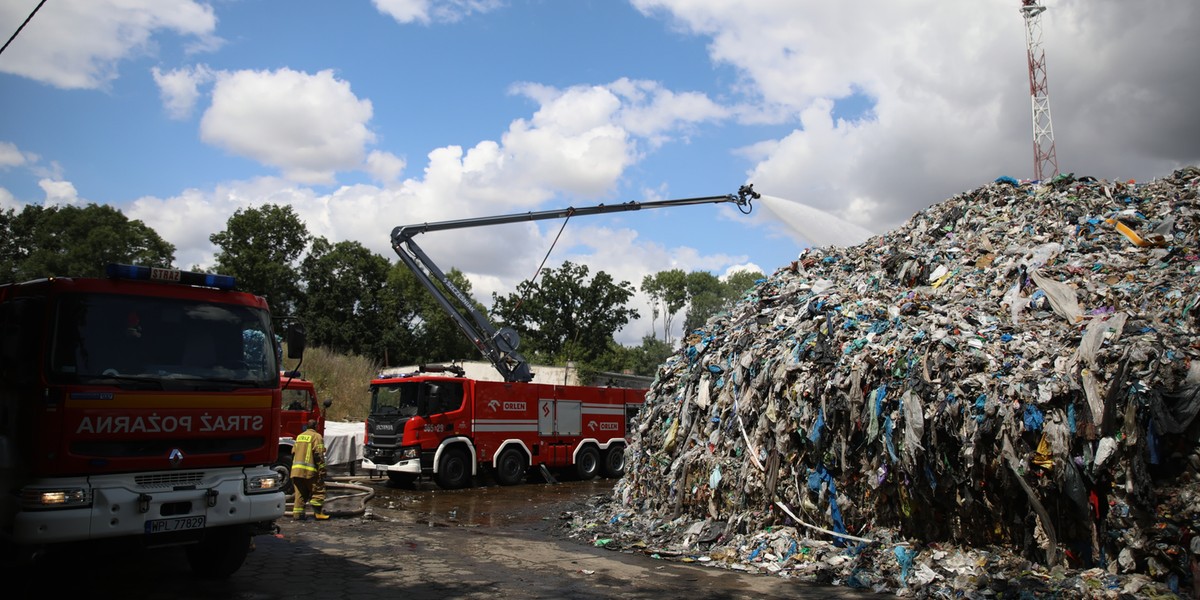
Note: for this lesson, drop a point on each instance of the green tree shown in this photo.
(567, 316)
(652, 353)
(76, 241)
(709, 295)
(640, 360)
(738, 282)
(668, 294)
(344, 307)
(706, 297)
(261, 247)
(15, 243)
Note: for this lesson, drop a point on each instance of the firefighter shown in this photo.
(308, 472)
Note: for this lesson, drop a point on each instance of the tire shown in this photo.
(510, 467)
(283, 466)
(221, 552)
(587, 463)
(613, 465)
(404, 480)
(454, 470)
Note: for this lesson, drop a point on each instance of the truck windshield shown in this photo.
(400, 399)
(416, 398)
(112, 338)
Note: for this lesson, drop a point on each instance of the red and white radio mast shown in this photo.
(1045, 161)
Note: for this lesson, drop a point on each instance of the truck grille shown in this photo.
(169, 480)
(152, 448)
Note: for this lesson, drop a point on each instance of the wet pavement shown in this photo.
(424, 543)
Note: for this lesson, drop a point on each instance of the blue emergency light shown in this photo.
(140, 273)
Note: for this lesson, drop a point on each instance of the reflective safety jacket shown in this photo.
(308, 456)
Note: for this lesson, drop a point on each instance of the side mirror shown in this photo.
(327, 403)
(296, 340)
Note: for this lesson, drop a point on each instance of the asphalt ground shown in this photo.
(422, 544)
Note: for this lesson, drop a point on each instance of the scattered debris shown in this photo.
(998, 397)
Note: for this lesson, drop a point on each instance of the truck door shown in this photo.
(442, 404)
(557, 420)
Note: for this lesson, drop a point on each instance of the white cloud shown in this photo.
(653, 111)
(179, 88)
(8, 202)
(745, 267)
(570, 144)
(309, 126)
(11, 156)
(440, 11)
(583, 138)
(77, 44)
(385, 167)
(59, 193)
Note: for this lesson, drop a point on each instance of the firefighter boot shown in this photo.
(319, 514)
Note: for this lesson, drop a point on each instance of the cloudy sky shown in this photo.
(847, 116)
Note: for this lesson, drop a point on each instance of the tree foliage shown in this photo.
(668, 294)
(566, 316)
(703, 293)
(344, 309)
(261, 248)
(75, 241)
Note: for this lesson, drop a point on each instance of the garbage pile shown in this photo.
(998, 397)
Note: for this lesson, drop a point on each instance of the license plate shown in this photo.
(176, 524)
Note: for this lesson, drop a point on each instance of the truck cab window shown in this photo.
(110, 338)
(442, 397)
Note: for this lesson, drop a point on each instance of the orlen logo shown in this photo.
(507, 406)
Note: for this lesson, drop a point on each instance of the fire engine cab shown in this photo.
(142, 406)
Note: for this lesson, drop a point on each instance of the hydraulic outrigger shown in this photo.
(500, 345)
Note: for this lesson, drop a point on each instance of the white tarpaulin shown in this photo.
(343, 442)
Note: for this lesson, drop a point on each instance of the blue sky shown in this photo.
(364, 115)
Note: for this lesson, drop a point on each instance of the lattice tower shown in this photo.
(1045, 160)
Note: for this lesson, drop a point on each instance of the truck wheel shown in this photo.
(510, 467)
(283, 466)
(613, 466)
(587, 463)
(221, 552)
(454, 470)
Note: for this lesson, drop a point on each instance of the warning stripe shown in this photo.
(505, 425)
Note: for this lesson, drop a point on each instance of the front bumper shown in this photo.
(137, 504)
(411, 466)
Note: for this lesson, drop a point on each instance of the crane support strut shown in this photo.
(499, 346)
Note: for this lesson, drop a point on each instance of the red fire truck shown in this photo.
(448, 426)
(139, 407)
(299, 406)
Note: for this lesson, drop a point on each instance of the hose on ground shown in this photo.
(351, 504)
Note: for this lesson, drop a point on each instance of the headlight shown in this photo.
(261, 484)
(43, 498)
(410, 452)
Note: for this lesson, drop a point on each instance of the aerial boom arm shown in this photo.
(500, 346)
